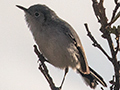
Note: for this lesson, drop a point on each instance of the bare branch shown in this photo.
(100, 13)
(116, 1)
(117, 41)
(95, 43)
(114, 12)
(44, 70)
(113, 83)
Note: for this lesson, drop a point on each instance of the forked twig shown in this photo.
(95, 43)
(100, 13)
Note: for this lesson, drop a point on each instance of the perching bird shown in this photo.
(59, 43)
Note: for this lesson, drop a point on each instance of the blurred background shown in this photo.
(18, 62)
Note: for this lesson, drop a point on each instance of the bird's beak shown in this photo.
(24, 9)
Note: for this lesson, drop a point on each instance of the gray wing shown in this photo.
(72, 35)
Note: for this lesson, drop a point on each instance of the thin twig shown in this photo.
(114, 11)
(113, 83)
(95, 43)
(105, 27)
(99, 11)
(116, 1)
(44, 70)
(117, 41)
(102, 88)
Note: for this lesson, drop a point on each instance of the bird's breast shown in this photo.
(55, 47)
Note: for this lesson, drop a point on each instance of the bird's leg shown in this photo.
(66, 71)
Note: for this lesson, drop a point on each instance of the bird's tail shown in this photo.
(93, 78)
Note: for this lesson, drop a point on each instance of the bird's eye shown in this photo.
(37, 14)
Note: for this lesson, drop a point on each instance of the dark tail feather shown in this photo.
(98, 77)
(89, 79)
(92, 78)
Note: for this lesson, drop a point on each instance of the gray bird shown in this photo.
(59, 43)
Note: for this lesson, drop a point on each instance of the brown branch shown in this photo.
(116, 1)
(44, 70)
(111, 22)
(117, 41)
(100, 13)
(114, 11)
(104, 25)
(95, 43)
(113, 83)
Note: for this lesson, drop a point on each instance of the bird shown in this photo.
(59, 43)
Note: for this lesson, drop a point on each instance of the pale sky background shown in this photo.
(18, 63)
